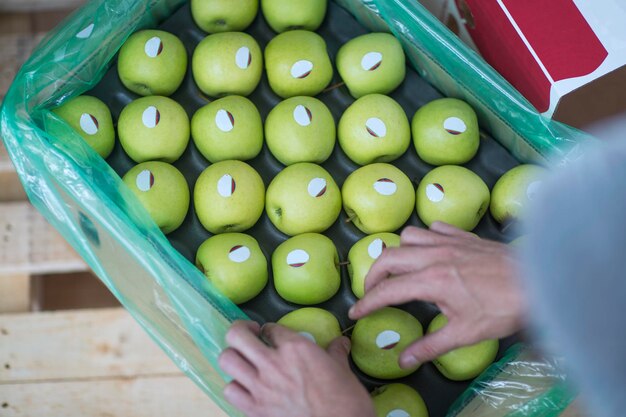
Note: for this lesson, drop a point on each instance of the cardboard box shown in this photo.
(567, 57)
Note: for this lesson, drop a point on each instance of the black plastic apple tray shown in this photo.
(490, 163)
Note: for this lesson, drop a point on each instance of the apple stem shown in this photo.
(347, 329)
(349, 219)
(344, 263)
(334, 86)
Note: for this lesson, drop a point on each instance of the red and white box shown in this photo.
(567, 57)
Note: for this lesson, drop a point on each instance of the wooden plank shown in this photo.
(10, 186)
(28, 244)
(77, 344)
(164, 396)
(16, 43)
(38, 5)
(14, 293)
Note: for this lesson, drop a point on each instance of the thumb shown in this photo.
(339, 349)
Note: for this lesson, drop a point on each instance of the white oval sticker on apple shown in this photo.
(153, 47)
(435, 192)
(226, 186)
(371, 61)
(302, 115)
(150, 117)
(243, 58)
(88, 123)
(376, 127)
(533, 189)
(86, 32)
(375, 249)
(317, 187)
(385, 186)
(224, 120)
(144, 180)
(296, 258)
(308, 336)
(301, 69)
(398, 413)
(454, 125)
(387, 339)
(239, 253)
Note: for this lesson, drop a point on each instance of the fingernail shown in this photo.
(408, 361)
(351, 312)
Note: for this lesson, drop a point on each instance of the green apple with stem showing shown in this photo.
(454, 195)
(363, 254)
(306, 269)
(316, 324)
(303, 198)
(466, 362)
(283, 15)
(297, 64)
(445, 132)
(300, 129)
(224, 15)
(398, 400)
(229, 197)
(371, 63)
(153, 128)
(152, 62)
(378, 198)
(514, 191)
(163, 192)
(228, 128)
(379, 338)
(227, 63)
(234, 264)
(91, 118)
(374, 129)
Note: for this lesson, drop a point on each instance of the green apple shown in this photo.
(316, 324)
(234, 264)
(371, 63)
(224, 15)
(519, 241)
(152, 62)
(300, 129)
(445, 132)
(454, 195)
(514, 191)
(229, 197)
(465, 362)
(306, 269)
(379, 338)
(91, 118)
(378, 198)
(162, 190)
(153, 128)
(227, 63)
(303, 198)
(363, 254)
(298, 64)
(374, 129)
(283, 15)
(228, 128)
(398, 400)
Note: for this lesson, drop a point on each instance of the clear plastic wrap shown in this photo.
(85, 200)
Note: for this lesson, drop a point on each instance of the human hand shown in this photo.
(290, 375)
(472, 281)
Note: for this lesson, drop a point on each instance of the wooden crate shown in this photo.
(81, 362)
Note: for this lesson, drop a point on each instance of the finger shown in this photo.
(412, 235)
(339, 349)
(239, 368)
(276, 335)
(449, 230)
(431, 346)
(239, 397)
(243, 336)
(403, 260)
(425, 285)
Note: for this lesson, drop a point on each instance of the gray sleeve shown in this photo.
(575, 271)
